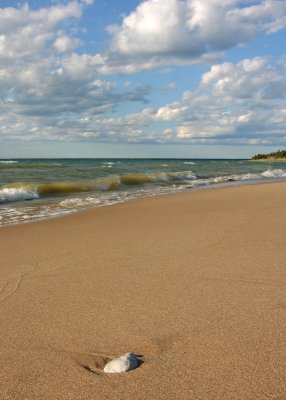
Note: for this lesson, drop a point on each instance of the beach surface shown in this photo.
(195, 283)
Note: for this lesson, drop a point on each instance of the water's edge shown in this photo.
(192, 190)
(37, 189)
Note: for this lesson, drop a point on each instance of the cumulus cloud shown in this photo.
(43, 82)
(241, 103)
(53, 88)
(64, 44)
(165, 32)
(48, 91)
(233, 102)
(250, 78)
(26, 32)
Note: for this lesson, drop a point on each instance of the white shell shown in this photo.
(122, 364)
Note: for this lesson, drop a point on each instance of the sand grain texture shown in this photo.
(194, 282)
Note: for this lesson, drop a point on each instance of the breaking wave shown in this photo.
(123, 183)
(17, 194)
(27, 191)
(274, 173)
(8, 162)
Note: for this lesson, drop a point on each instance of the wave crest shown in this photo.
(28, 191)
(8, 195)
(274, 173)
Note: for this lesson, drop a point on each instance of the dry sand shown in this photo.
(195, 283)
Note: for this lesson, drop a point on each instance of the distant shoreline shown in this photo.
(270, 159)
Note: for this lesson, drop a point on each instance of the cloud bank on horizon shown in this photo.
(167, 71)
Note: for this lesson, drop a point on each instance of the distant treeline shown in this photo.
(276, 154)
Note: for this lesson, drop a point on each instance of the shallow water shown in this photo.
(32, 189)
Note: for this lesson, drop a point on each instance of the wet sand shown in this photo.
(195, 283)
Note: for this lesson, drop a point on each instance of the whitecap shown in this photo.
(274, 173)
(16, 194)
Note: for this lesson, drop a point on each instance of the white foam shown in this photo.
(16, 194)
(159, 177)
(249, 176)
(79, 202)
(8, 162)
(274, 173)
(171, 176)
(185, 175)
(229, 178)
(220, 179)
(226, 179)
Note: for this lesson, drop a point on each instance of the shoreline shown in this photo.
(55, 188)
(194, 282)
(270, 160)
(222, 185)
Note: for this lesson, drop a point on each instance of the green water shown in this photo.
(40, 188)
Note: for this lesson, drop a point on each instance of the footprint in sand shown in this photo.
(154, 348)
(92, 362)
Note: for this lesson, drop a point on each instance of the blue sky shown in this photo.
(157, 78)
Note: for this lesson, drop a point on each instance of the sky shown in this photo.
(153, 78)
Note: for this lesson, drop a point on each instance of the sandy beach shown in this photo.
(194, 283)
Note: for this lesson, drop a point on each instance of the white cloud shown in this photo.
(233, 102)
(171, 86)
(26, 32)
(166, 32)
(65, 44)
(169, 113)
(50, 92)
(250, 78)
